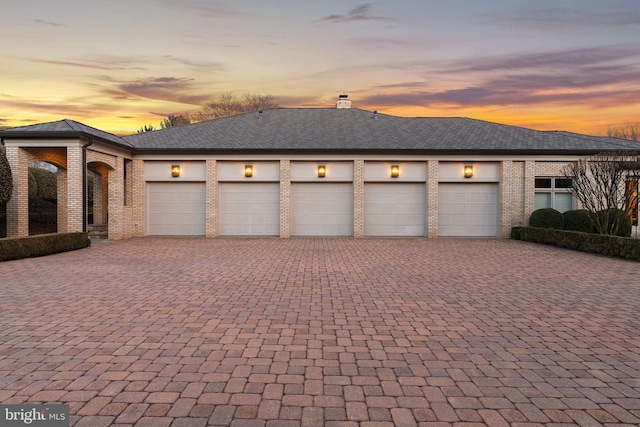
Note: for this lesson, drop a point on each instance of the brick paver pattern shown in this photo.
(311, 332)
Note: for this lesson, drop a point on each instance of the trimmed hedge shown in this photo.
(578, 220)
(614, 246)
(44, 244)
(546, 218)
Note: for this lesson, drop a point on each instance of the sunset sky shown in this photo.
(120, 64)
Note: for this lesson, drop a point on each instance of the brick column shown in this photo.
(432, 198)
(61, 181)
(75, 189)
(529, 189)
(138, 198)
(358, 198)
(116, 200)
(285, 198)
(211, 214)
(505, 197)
(18, 206)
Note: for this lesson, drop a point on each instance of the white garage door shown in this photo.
(394, 209)
(249, 209)
(322, 209)
(468, 209)
(176, 209)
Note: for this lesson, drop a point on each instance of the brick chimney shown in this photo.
(343, 102)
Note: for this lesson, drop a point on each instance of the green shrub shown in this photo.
(546, 218)
(44, 244)
(603, 244)
(617, 218)
(578, 220)
(6, 179)
(45, 183)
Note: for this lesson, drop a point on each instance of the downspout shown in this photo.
(85, 197)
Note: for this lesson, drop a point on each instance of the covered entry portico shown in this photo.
(75, 150)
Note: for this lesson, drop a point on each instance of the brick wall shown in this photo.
(512, 187)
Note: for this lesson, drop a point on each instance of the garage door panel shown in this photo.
(176, 209)
(322, 209)
(249, 209)
(468, 209)
(394, 209)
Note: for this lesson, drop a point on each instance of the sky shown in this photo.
(120, 64)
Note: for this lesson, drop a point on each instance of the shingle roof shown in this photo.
(310, 130)
(63, 129)
(317, 130)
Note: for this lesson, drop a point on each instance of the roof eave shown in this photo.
(173, 151)
(62, 135)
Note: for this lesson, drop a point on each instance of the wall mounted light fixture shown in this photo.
(175, 171)
(322, 171)
(248, 171)
(395, 171)
(468, 171)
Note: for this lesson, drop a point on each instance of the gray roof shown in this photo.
(63, 129)
(355, 130)
(322, 130)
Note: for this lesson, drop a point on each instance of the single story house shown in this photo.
(302, 172)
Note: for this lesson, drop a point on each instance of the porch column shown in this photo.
(61, 181)
(18, 206)
(358, 198)
(285, 198)
(75, 189)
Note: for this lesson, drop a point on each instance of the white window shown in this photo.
(554, 193)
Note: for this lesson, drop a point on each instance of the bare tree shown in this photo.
(146, 128)
(630, 131)
(173, 120)
(229, 105)
(253, 103)
(599, 183)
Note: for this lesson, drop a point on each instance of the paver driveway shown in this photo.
(312, 332)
